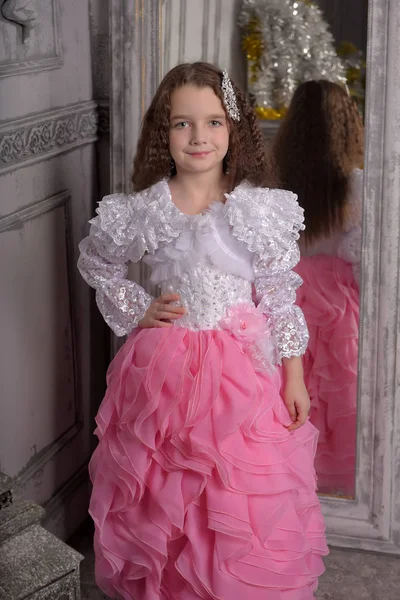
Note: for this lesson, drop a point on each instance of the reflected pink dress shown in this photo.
(329, 298)
(199, 490)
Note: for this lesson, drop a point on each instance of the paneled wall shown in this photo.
(48, 130)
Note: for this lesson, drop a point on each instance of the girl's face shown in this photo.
(198, 135)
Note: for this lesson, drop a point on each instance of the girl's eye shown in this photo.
(182, 124)
(215, 123)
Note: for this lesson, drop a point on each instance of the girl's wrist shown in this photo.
(293, 368)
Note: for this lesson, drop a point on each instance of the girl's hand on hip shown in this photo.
(161, 312)
(297, 402)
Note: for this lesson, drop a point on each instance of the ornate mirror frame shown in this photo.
(372, 520)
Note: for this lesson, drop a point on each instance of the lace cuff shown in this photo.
(276, 295)
(290, 333)
(122, 303)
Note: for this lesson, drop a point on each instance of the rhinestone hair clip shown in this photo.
(229, 97)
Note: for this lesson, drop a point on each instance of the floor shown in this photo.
(349, 575)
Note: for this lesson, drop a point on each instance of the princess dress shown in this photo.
(329, 299)
(199, 490)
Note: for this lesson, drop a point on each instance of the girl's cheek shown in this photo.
(177, 135)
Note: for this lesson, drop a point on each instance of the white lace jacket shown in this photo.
(211, 260)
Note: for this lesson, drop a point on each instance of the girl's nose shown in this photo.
(198, 136)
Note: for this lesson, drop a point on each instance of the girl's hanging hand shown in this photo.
(295, 394)
(160, 312)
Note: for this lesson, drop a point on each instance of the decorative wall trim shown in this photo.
(20, 67)
(43, 135)
(24, 15)
(15, 221)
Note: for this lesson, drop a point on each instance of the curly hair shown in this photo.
(318, 144)
(247, 152)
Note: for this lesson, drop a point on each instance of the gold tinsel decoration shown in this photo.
(267, 113)
(253, 45)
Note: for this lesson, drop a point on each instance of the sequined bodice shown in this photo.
(206, 293)
(207, 267)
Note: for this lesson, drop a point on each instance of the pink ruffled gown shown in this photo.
(199, 490)
(329, 299)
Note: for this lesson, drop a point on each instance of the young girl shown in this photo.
(318, 148)
(203, 479)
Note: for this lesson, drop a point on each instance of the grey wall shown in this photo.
(48, 133)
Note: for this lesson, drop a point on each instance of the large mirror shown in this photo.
(363, 516)
(270, 47)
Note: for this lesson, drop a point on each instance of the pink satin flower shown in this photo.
(250, 327)
(245, 322)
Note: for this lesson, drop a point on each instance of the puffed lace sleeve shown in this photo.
(114, 239)
(349, 247)
(269, 221)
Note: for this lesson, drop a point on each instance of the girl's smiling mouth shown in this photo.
(199, 154)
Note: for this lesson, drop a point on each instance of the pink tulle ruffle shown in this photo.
(329, 298)
(199, 490)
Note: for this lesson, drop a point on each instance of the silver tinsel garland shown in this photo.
(295, 45)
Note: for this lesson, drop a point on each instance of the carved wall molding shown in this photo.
(32, 37)
(41, 136)
(17, 218)
(22, 12)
